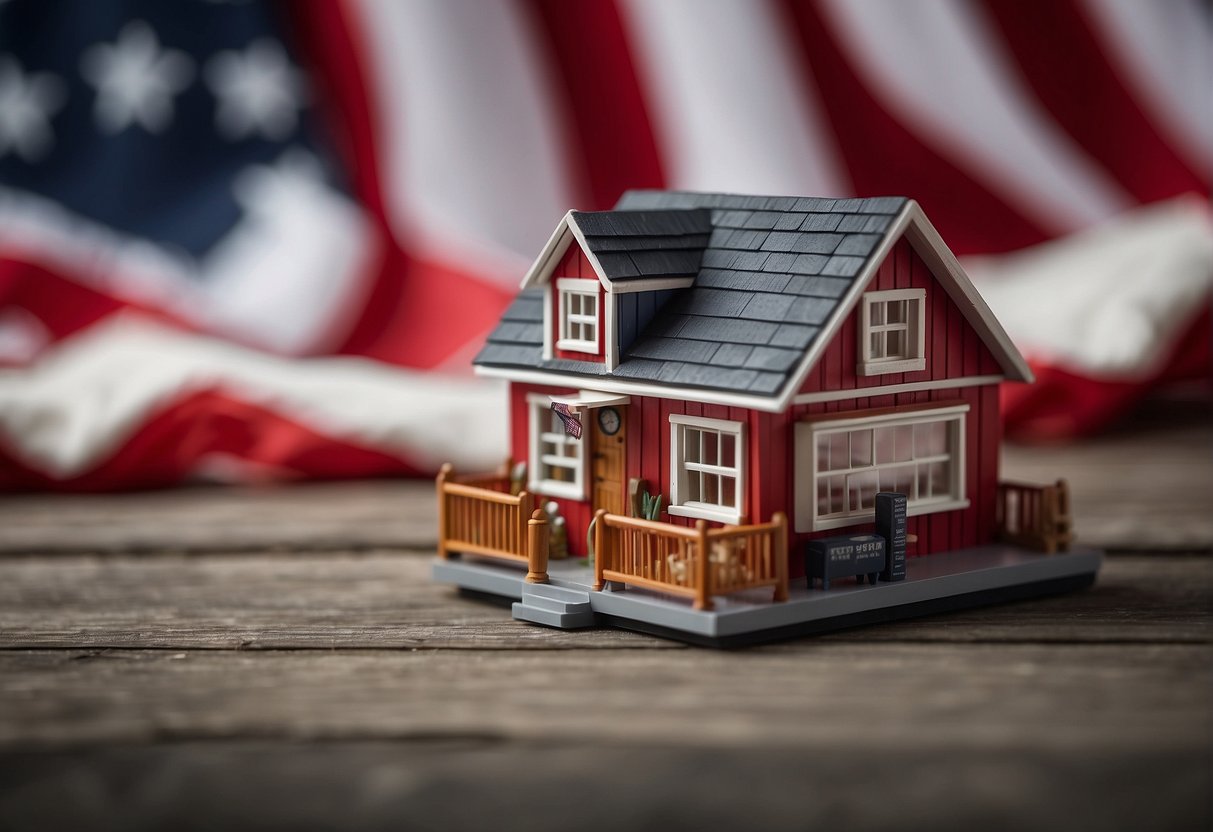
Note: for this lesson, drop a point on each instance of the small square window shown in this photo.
(579, 315)
(892, 332)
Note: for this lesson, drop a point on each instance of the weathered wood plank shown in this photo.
(1100, 698)
(552, 787)
(298, 517)
(384, 600)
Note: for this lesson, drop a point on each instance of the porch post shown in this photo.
(599, 538)
(537, 548)
(781, 556)
(703, 592)
(444, 473)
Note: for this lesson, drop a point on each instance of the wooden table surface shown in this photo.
(278, 658)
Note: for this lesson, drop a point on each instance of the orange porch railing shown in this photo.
(692, 562)
(1036, 516)
(479, 516)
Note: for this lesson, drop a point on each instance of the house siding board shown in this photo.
(938, 532)
(944, 326)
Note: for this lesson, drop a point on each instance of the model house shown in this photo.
(767, 364)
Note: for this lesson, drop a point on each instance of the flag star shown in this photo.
(135, 79)
(259, 92)
(26, 104)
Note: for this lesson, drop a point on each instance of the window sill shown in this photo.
(861, 519)
(703, 512)
(876, 368)
(563, 490)
(590, 347)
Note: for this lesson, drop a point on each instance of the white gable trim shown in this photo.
(948, 273)
(911, 223)
(557, 246)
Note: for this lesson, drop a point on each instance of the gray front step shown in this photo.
(554, 606)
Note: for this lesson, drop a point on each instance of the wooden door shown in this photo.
(608, 456)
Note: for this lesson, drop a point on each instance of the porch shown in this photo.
(477, 515)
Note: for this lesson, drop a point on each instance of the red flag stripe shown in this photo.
(609, 125)
(884, 157)
(1068, 69)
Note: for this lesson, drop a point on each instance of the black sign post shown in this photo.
(891, 525)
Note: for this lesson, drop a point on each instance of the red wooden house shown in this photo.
(768, 365)
(751, 355)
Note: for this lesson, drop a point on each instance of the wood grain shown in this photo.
(386, 600)
(304, 517)
(279, 658)
(473, 784)
(1104, 698)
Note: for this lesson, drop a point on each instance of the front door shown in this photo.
(608, 455)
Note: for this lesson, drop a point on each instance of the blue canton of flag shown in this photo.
(164, 154)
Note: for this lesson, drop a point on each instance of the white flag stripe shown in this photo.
(1166, 48)
(301, 249)
(728, 108)
(937, 68)
(91, 394)
(470, 147)
(1119, 294)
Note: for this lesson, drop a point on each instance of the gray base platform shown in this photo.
(934, 583)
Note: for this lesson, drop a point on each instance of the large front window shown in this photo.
(707, 462)
(557, 462)
(843, 463)
(578, 315)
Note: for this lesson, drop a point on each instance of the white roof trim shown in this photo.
(911, 222)
(551, 378)
(566, 231)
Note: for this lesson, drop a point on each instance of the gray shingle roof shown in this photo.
(633, 245)
(769, 272)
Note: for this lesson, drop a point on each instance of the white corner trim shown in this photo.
(893, 389)
(610, 334)
(548, 327)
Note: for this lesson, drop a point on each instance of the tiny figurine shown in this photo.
(724, 394)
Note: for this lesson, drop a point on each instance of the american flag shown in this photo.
(244, 240)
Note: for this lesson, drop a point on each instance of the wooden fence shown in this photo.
(1036, 516)
(692, 562)
(479, 516)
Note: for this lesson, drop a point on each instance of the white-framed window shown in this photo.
(707, 468)
(557, 460)
(892, 332)
(841, 464)
(579, 314)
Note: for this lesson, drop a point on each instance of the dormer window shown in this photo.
(579, 315)
(892, 332)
